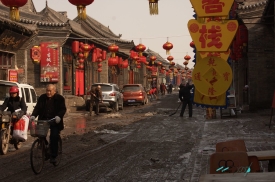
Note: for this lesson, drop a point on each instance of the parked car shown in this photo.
(111, 95)
(134, 93)
(26, 92)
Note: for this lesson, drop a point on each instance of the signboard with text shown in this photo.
(13, 75)
(49, 62)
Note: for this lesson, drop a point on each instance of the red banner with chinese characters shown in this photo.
(13, 76)
(49, 62)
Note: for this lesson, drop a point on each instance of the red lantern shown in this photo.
(153, 58)
(185, 63)
(125, 64)
(138, 66)
(167, 46)
(113, 49)
(112, 61)
(172, 63)
(192, 44)
(86, 49)
(80, 66)
(170, 58)
(140, 48)
(187, 57)
(14, 7)
(159, 64)
(186, 68)
(99, 69)
(153, 6)
(99, 65)
(81, 61)
(75, 47)
(120, 62)
(80, 56)
(99, 60)
(81, 7)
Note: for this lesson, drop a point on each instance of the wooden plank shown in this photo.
(240, 177)
(263, 155)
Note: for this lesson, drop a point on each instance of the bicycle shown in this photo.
(40, 150)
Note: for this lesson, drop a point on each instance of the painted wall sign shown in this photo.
(212, 76)
(13, 75)
(49, 62)
(212, 36)
(208, 8)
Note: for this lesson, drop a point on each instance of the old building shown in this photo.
(254, 78)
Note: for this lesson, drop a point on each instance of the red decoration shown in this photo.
(104, 55)
(113, 49)
(112, 61)
(86, 49)
(153, 58)
(140, 48)
(159, 64)
(185, 63)
(36, 54)
(192, 44)
(142, 59)
(120, 60)
(187, 57)
(14, 7)
(125, 64)
(167, 46)
(80, 66)
(81, 7)
(99, 65)
(170, 58)
(80, 56)
(75, 47)
(99, 60)
(81, 61)
(172, 63)
(99, 69)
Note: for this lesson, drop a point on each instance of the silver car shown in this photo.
(111, 95)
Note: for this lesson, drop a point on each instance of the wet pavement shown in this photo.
(144, 143)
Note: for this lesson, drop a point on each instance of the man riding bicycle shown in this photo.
(51, 105)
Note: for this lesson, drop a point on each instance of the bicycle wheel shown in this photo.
(37, 155)
(59, 156)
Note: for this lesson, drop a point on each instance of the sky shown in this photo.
(132, 19)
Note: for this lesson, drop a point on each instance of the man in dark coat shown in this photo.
(185, 97)
(96, 98)
(51, 105)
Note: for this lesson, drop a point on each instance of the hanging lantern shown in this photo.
(113, 49)
(80, 56)
(81, 7)
(81, 66)
(172, 63)
(86, 49)
(140, 48)
(138, 66)
(167, 46)
(192, 44)
(99, 60)
(75, 47)
(163, 68)
(99, 69)
(81, 61)
(187, 57)
(99, 65)
(14, 7)
(170, 58)
(186, 68)
(153, 6)
(159, 64)
(112, 61)
(185, 63)
(153, 58)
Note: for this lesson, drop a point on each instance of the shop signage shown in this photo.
(12, 41)
(49, 64)
(13, 75)
(212, 36)
(210, 8)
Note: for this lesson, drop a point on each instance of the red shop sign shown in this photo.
(13, 76)
(49, 64)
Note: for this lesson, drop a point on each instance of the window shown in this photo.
(27, 92)
(34, 97)
(131, 88)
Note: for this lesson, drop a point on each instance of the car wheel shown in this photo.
(116, 107)
(121, 106)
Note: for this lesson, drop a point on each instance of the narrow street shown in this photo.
(140, 143)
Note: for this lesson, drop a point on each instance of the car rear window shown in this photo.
(131, 88)
(104, 88)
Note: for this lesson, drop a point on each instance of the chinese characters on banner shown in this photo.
(211, 8)
(13, 76)
(49, 64)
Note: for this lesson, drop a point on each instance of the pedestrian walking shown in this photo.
(170, 88)
(163, 88)
(185, 97)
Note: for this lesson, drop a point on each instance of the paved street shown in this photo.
(142, 143)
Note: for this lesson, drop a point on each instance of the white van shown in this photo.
(26, 92)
